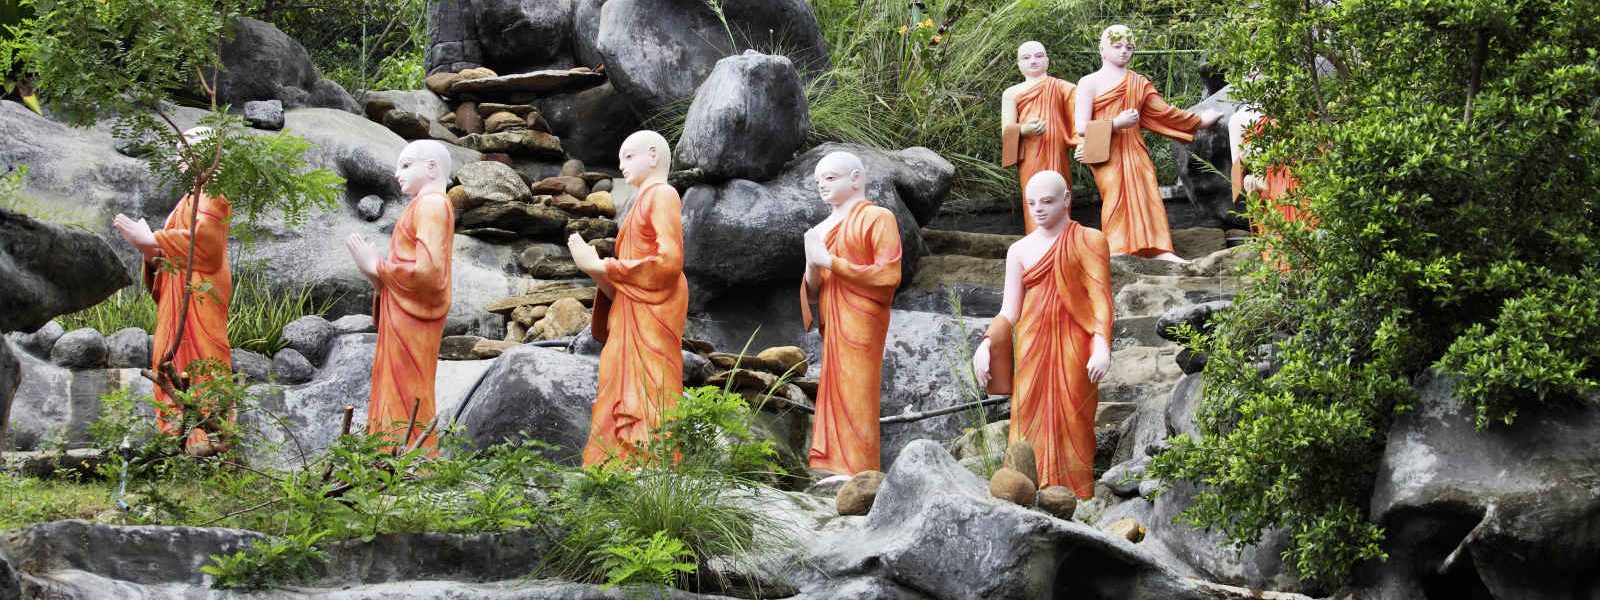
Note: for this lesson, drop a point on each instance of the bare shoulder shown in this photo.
(1011, 92)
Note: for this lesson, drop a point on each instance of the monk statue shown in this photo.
(1247, 123)
(852, 270)
(1131, 212)
(195, 238)
(640, 306)
(1055, 319)
(1036, 121)
(413, 298)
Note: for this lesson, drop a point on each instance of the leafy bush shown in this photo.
(1448, 151)
(267, 563)
(656, 560)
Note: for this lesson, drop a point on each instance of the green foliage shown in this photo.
(131, 306)
(267, 563)
(930, 73)
(27, 500)
(1448, 152)
(710, 427)
(360, 44)
(656, 560)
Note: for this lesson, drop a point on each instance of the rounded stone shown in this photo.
(1012, 486)
(81, 348)
(1058, 501)
(370, 208)
(1128, 529)
(1020, 458)
(856, 496)
(129, 348)
(291, 367)
(309, 336)
(354, 324)
(252, 365)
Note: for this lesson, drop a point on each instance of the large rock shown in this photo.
(1211, 192)
(541, 393)
(591, 123)
(490, 181)
(129, 348)
(54, 404)
(658, 52)
(519, 35)
(261, 62)
(40, 341)
(10, 376)
(452, 37)
(933, 528)
(50, 270)
(80, 349)
(763, 223)
(309, 335)
(422, 102)
(1509, 511)
(747, 119)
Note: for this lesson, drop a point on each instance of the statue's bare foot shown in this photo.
(1172, 258)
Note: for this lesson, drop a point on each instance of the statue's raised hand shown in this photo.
(1126, 119)
(136, 233)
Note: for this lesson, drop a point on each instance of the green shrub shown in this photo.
(267, 563)
(1449, 151)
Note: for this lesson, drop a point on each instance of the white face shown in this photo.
(834, 187)
(1032, 60)
(1118, 52)
(1048, 206)
(635, 164)
(414, 173)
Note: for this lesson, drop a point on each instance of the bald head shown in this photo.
(1032, 60)
(1047, 183)
(1029, 47)
(840, 177)
(428, 150)
(644, 157)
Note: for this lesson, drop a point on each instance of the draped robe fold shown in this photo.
(1131, 212)
(1066, 300)
(413, 301)
(206, 334)
(641, 324)
(853, 302)
(1049, 100)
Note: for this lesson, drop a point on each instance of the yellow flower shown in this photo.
(937, 38)
(903, 29)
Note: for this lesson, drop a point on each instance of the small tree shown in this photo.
(1451, 152)
(130, 58)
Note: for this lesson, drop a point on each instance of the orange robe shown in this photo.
(1278, 182)
(1066, 300)
(641, 366)
(413, 300)
(1131, 212)
(206, 332)
(853, 302)
(1049, 100)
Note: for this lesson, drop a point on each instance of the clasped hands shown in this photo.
(137, 234)
(366, 256)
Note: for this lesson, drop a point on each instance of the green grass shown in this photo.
(256, 313)
(27, 500)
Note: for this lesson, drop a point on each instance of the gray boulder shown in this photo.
(591, 123)
(747, 119)
(1509, 511)
(51, 270)
(39, 342)
(586, 33)
(309, 335)
(1211, 192)
(934, 528)
(541, 393)
(291, 367)
(80, 349)
(658, 52)
(261, 62)
(264, 114)
(740, 233)
(312, 412)
(452, 37)
(10, 376)
(488, 181)
(1196, 316)
(57, 404)
(370, 207)
(129, 348)
(518, 35)
(354, 324)
(422, 102)
(253, 365)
